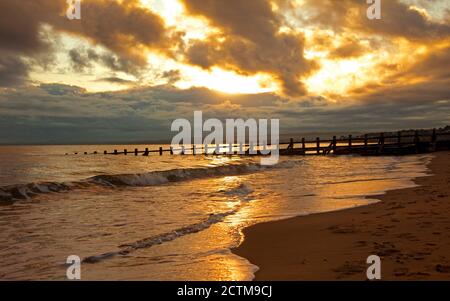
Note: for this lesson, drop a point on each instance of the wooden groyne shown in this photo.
(366, 145)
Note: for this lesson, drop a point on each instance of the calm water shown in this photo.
(165, 218)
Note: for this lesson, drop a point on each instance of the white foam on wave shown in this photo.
(242, 191)
(26, 191)
(174, 175)
(161, 238)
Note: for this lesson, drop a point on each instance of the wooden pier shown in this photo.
(366, 145)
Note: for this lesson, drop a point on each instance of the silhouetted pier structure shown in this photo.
(366, 145)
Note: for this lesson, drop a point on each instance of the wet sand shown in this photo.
(409, 229)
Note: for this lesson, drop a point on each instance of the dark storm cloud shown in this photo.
(347, 46)
(348, 49)
(171, 76)
(436, 65)
(83, 59)
(398, 20)
(115, 80)
(79, 62)
(385, 116)
(20, 22)
(59, 89)
(125, 28)
(426, 80)
(68, 114)
(13, 70)
(250, 42)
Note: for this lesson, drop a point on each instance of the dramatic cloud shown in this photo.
(125, 28)
(68, 114)
(317, 65)
(83, 59)
(115, 80)
(398, 19)
(249, 42)
(348, 49)
(426, 80)
(13, 70)
(433, 66)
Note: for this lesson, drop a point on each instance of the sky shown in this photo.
(128, 68)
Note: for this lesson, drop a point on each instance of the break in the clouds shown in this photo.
(129, 67)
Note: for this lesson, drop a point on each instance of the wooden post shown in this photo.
(193, 150)
(125, 152)
(334, 146)
(318, 145)
(95, 153)
(291, 145)
(183, 150)
(350, 137)
(433, 141)
(146, 153)
(381, 142)
(171, 150)
(136, 151)
(105, 152)
(434, 136)
(115, 152)
(160, 151)
(416, 140)
(85, 153)
(303, 145)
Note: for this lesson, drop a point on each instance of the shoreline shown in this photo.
(408, 229)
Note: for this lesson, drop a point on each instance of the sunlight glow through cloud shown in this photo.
(332, 75)
(226, 81)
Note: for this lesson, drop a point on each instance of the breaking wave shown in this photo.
(27, 191)
(242, 191)
(161, 238)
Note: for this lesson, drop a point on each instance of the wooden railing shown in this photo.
(344, 145)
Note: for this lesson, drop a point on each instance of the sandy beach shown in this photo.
(408, 229)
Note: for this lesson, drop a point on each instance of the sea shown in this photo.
(166, 217)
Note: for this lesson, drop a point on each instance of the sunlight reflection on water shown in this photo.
(37, 235)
